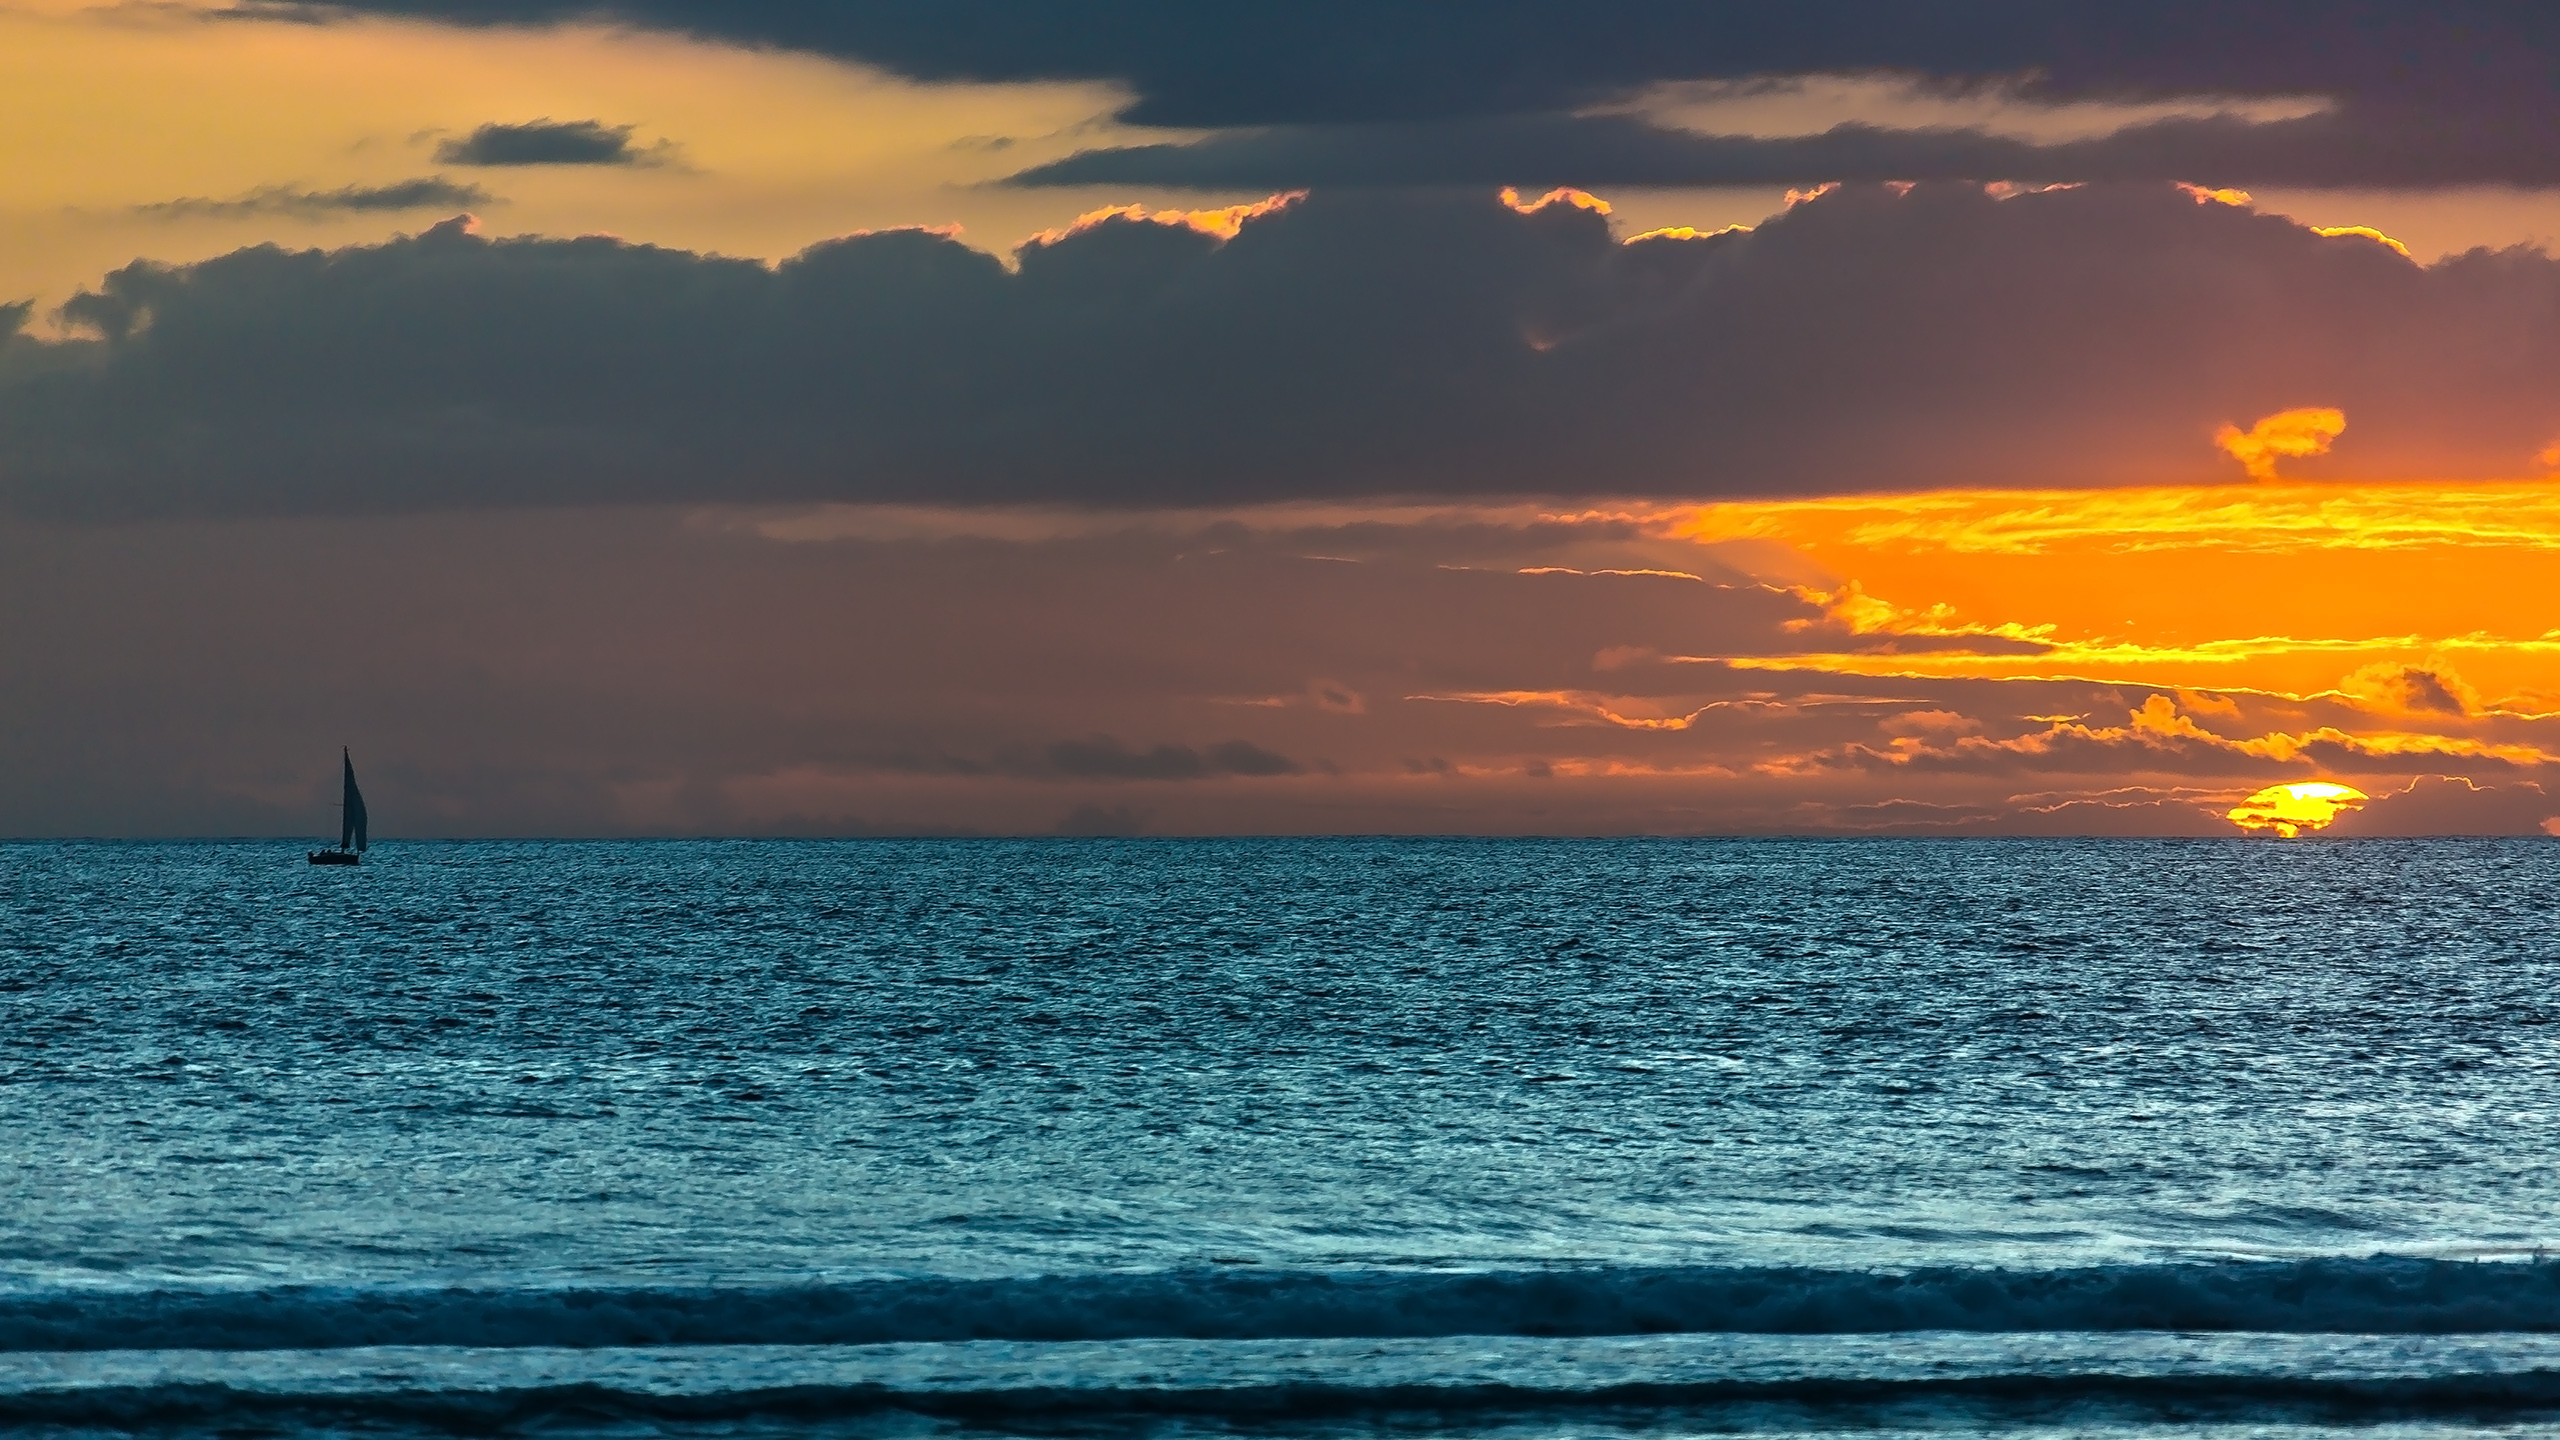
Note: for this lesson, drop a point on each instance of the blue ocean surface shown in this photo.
(1331, 1137)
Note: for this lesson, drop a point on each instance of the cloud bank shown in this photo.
(1270, 62)
(2455, 91)
(1884, 337)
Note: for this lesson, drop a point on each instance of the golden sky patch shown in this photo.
(104, 111)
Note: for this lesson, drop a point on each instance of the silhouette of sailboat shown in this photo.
(351, 837)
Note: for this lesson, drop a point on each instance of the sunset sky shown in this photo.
(1014, 418)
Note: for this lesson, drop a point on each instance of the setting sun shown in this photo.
(2289, 810)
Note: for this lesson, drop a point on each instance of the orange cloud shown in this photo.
(1853, 609)
(2203, 196)
(2281, 517)
(2158, 738)
(2412, 689)
(2287, 433)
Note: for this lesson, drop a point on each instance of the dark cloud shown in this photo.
(427, 192)
(2367, 145)
(2452, 805)
(1102, 757)
(1284, 61)
(549, 142)
(1351, 344)
(2424, 89)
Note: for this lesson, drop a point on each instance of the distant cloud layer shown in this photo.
(432, 192)
(2366, 145)
(548, 142)
(1878, 337)
(1391, 91)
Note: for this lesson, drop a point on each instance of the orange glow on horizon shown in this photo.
(2407, 600)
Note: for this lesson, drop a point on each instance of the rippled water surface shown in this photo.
(496, 1091)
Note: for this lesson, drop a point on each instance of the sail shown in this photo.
(351, 816)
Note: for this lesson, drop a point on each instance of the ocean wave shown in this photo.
(2003, 1400)
(2382, 1296)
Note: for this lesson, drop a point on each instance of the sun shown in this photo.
(2289, 810)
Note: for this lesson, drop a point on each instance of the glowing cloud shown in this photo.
(2363, 232)
(2204, 196)
(2287, 433)
(1692, 232)
(1579, 199)
(2289, 810)
(1224, 222)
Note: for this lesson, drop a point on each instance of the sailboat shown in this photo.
(350, 849)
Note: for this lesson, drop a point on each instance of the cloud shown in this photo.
(428, 192)
(2368, 147)
(550, 142)
(1103, 758)
(2157, 738)
(1554, 92)
(2286, 434)
(1360, 344)
(2432, 689)
(2452, 805)
(1274, 63)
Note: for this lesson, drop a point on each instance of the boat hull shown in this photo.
(336, 857)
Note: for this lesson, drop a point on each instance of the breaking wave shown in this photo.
(2382, 1296)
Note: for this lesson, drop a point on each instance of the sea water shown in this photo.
(1337, 1137)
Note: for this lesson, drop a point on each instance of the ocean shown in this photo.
(1279, 1137)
